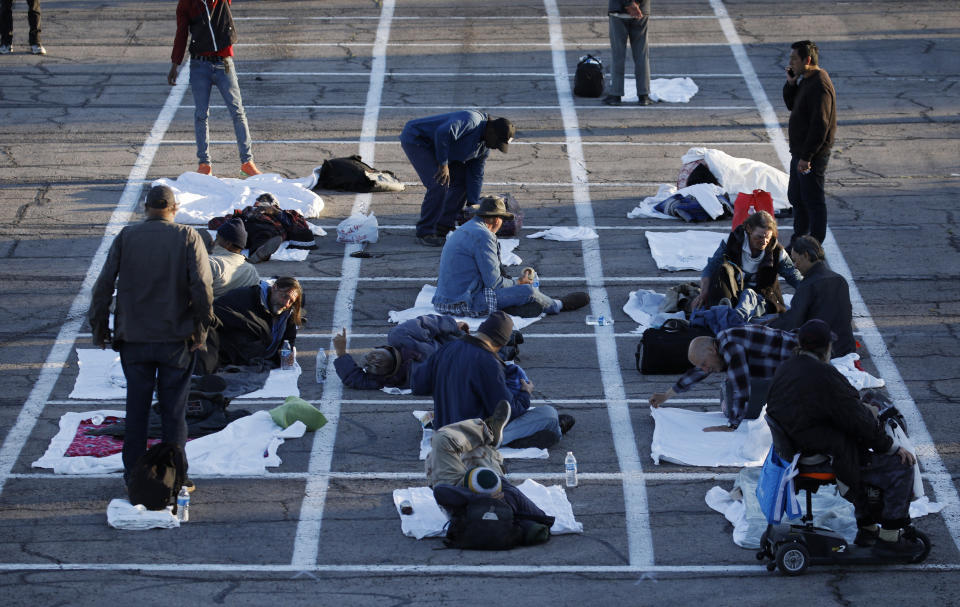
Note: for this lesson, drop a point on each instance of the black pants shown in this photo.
(166, 366)
(895, 480)
(805, 193)
(6, 21)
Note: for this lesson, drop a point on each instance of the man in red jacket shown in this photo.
(210, 26)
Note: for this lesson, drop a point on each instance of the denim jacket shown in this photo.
(469, 263)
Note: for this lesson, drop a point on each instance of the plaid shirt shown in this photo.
(749, 351)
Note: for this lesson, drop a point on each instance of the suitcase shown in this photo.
(663, 351)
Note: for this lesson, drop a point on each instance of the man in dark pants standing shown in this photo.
(6, 27)
(628, 21)
(164, 309)
(812, 101)
(449, 152)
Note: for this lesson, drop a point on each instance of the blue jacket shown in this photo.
(453, 137)
(469, 263)
(466, 381)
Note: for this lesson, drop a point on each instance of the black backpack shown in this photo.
(157, 477)
(485, 523)
(588, 79)
(352, 174)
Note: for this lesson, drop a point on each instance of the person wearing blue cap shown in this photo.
(230, 269)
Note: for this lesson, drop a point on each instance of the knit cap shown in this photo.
(482, 480)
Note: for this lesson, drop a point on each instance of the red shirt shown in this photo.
(187, 11)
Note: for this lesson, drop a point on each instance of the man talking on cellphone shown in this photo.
(812, 101)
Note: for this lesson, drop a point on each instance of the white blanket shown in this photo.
(743, 175)
(121, 514)
(566, 234)
(203, 197)
(673, 90)
(507, 255)
(678, 437)
(687, 250)
(423, 306)
(857, 378)
(425, 447)
(830, 510)
(247, 446)
(101, 378)
(428, 520)
(643, 306)
(646, 206)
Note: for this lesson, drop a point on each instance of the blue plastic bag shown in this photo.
(775, 491)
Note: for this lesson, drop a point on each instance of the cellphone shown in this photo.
(790, 72)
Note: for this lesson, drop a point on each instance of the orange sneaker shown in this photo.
(249, 169)
(204, 168)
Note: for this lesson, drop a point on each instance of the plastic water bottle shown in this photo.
(570, 465)
(321, 365)
(183, 505)
(599, 320)
(286, 356)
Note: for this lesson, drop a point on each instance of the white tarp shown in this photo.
(678, 437)
(101, 378)
(742, 174)
(428, 520)
(203, 197)
(423, 305)
(670, 90)
(247, 446)
(687, 250)
(643, 306)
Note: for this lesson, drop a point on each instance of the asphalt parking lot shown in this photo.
(85, 128)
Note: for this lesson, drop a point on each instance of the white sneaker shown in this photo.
(37, 49)
(6, 49)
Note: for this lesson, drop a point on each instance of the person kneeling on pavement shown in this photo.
(467, 379)
(822, 413)
(470, 282)
(390, 365)
(464, 467)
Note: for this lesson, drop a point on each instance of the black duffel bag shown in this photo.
(663, 351)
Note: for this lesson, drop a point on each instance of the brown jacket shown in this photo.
(162, 276)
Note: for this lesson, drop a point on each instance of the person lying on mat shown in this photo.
(390, 365)
(750, 351)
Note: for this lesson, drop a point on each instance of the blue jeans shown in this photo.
(203, 76)
(805, 193)
(520, 294)
(441, 205)
(538, 427)
(166, 366)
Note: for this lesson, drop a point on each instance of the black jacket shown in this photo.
(823, 294)
(821, 412)
(813, 114)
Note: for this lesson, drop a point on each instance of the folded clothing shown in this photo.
(121, 514)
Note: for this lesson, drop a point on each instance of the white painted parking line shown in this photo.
(457, 18)
(307, 540)
(460, 74)
(512, 143)
(15, 440)
(416, 107)
(945, 492)
(639, 536)
(464, 45)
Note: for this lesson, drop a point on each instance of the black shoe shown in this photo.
(531, 309)
(497, 422)
(644, 100)
(902, 548)
(866, 537)
(611, 100)
(566, 422)
(431, 240)
(574, 301)
(265, 250)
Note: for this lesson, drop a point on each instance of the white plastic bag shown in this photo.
(358, 229)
